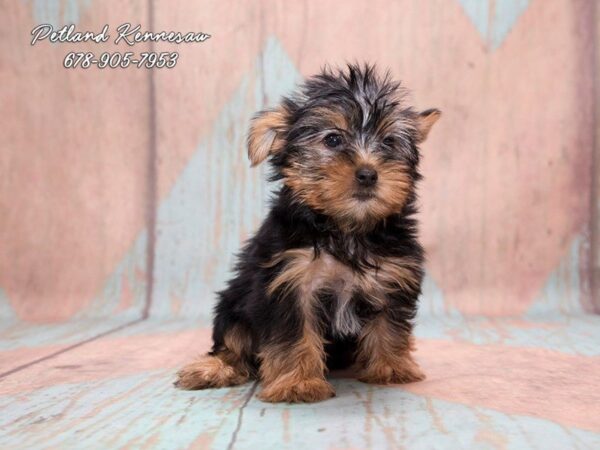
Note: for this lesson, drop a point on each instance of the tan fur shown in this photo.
(226, 368)
(331, 193)
(237, 341)
(335, 118)
(392, 273)
(295, 374)
(209, 372)
(308, 273)
(265, 136)
(384, 354)
(424, 124)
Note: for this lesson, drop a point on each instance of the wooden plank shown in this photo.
(566, 334)
(75, 159)
(595, 204)
(144, 410)
(136, 411)
(192, 95)
(112, 356)
(120, 303)
(372, 417)
(23, 346)
(117, 392)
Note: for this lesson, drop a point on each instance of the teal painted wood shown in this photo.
(6, 311)
(565, 291)
(124, 292)
(15, 334)
(572, 335)
(479, 13)
(59, 12)
(141, 411)
(494, 19)
(145, 411)
(371, 417)
(555, 321)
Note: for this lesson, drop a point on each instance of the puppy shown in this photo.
(332, 277)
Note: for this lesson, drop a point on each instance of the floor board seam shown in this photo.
(70, 347)
(241, 415)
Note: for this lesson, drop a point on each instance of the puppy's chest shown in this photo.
(340, 292)
(324, 283)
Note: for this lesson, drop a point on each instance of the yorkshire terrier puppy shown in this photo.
(332, 277)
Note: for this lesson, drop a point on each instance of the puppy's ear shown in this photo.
(425, 121)
(266, 134)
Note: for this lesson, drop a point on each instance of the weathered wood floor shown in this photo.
(492, 383)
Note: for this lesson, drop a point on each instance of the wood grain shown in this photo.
(74, 164)
(595, 197)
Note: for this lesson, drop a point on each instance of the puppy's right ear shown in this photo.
(266, 134)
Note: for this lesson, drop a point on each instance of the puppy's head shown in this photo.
(345, 145)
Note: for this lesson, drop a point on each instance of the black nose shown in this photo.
(366, 176)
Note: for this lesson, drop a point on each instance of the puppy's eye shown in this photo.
(389, 140)
(333, 140)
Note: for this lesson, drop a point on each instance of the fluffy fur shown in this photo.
(332, 277)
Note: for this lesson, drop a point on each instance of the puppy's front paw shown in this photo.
(411, 373)
(207, 372)
(309, 391)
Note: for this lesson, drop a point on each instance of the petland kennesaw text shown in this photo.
(126, 33)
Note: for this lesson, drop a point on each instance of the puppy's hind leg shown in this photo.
(227, 365)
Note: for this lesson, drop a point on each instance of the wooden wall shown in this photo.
(125, 192)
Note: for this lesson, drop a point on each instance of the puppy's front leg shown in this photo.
(384, 351)
(294, 371)
(292, 356)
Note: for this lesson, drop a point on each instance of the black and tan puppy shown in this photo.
(333, 275)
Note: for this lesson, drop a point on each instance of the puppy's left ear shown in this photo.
(266, 134)
(425, 121)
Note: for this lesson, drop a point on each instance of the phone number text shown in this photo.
(115, 60)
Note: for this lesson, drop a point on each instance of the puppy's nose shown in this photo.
(366, 176)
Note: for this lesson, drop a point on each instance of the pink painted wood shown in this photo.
(74, 167)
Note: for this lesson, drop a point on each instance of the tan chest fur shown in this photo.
(307, 273)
